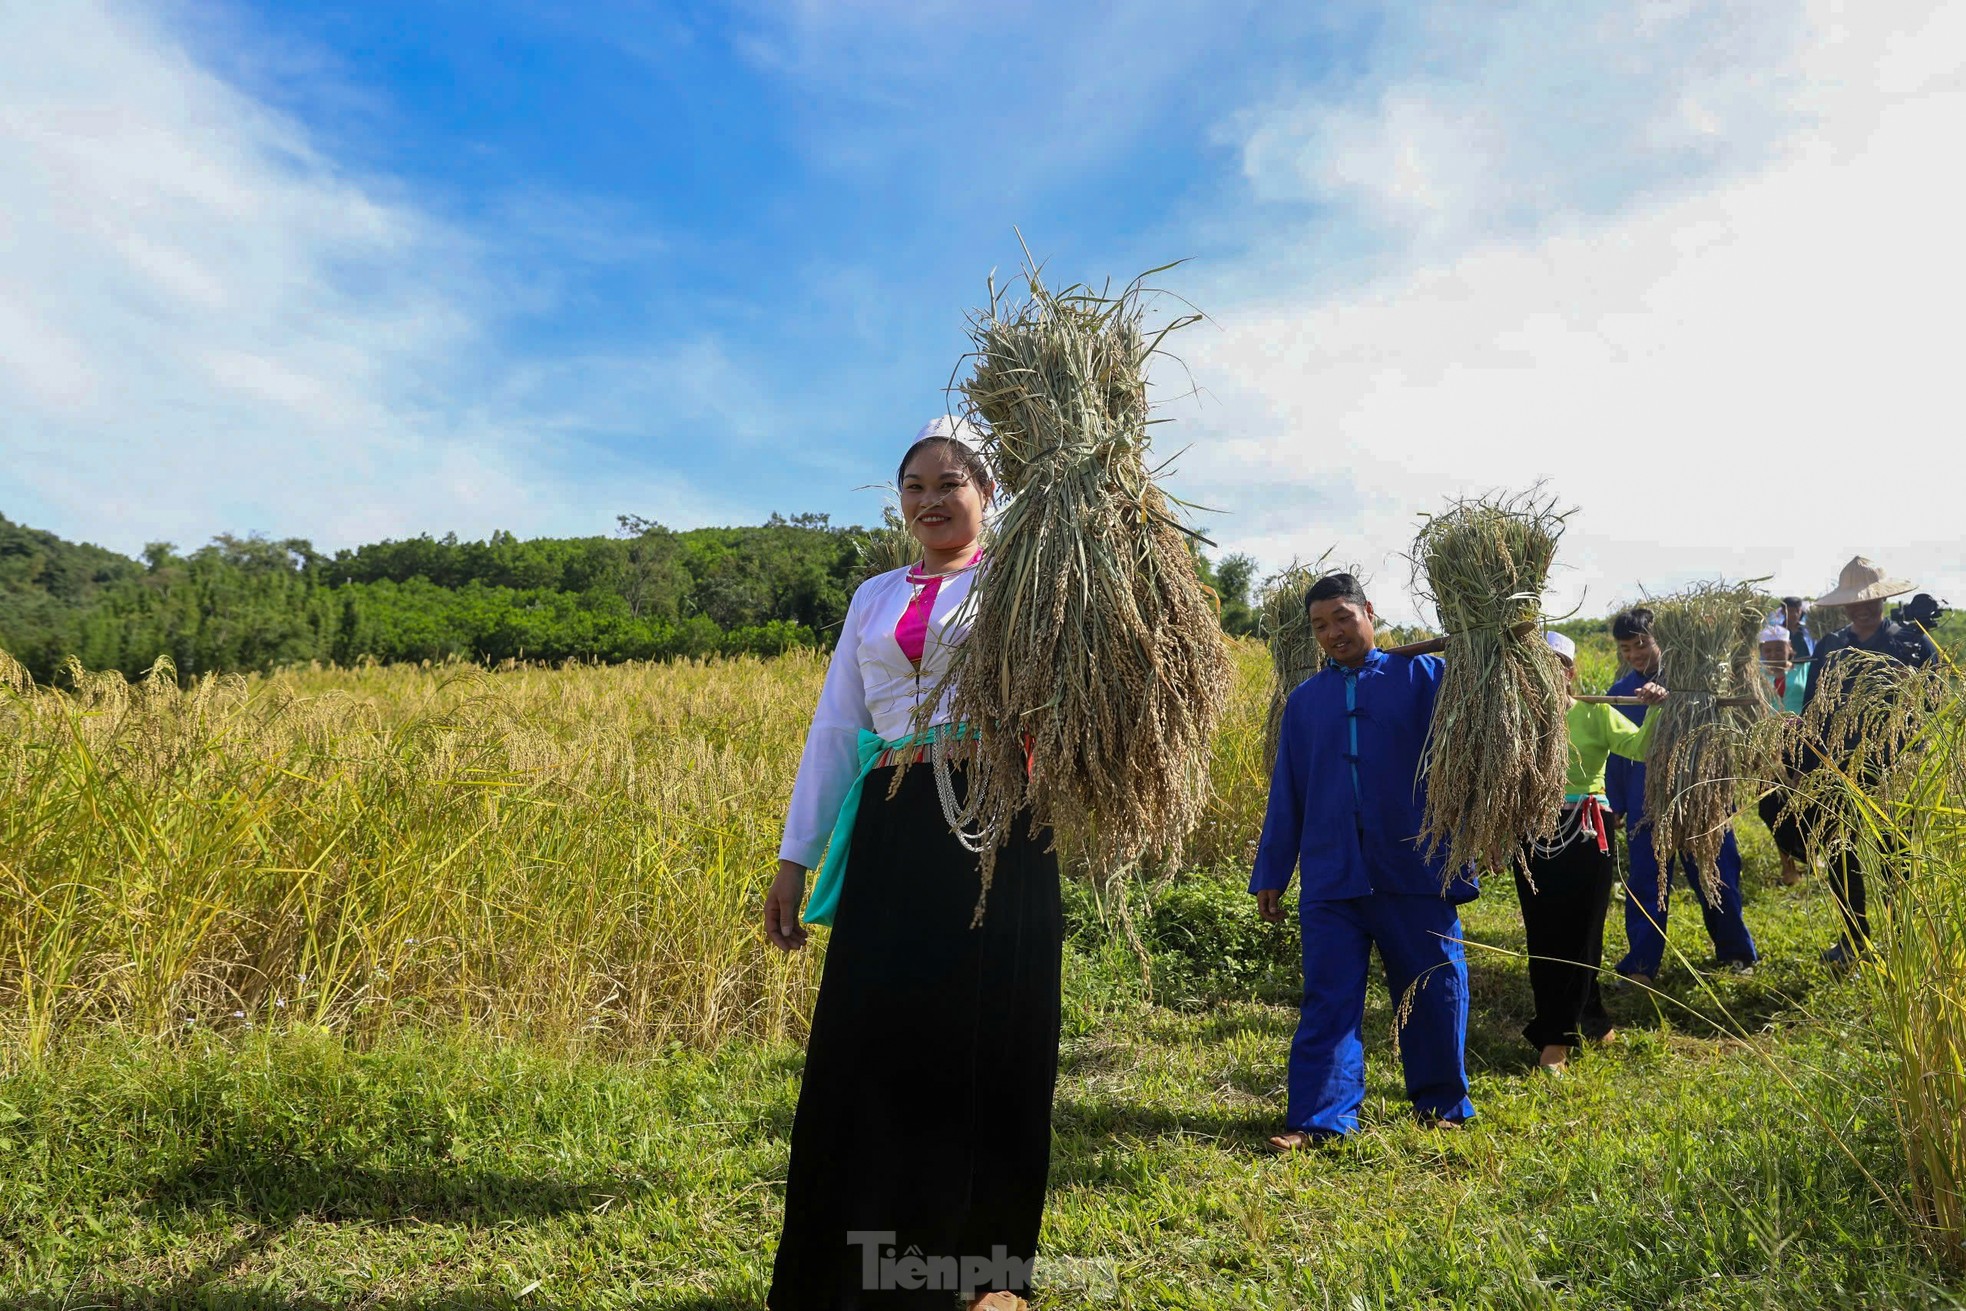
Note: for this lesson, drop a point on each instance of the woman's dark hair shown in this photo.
(1336, 587)
(972, 462)
(1635, 622)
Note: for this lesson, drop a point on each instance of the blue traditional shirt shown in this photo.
(1346, 797)
(1624, 780)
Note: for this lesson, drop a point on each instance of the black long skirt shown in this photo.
(923, 1133)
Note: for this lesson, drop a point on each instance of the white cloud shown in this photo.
(1745, 376)
(206, 324)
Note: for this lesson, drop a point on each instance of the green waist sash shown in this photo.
(825, 898)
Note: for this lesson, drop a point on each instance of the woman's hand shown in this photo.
(1651, 694)
(788, 889)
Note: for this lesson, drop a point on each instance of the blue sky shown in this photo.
(346, 271)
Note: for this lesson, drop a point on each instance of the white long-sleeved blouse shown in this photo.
(870, 685)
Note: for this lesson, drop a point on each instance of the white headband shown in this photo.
(1560, 644)
(950, 428)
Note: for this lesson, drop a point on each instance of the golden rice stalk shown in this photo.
(1703, 751)
(1498, 749)
(887, 548)
(1095, 669)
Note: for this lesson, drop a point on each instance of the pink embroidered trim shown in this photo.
(912, 631)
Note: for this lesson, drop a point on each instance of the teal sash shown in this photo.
(825, 897)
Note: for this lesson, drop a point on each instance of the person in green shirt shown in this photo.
(1564, 885)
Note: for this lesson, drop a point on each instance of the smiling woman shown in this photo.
(924, 1119)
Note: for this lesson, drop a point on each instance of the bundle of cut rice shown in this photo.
(1294, 652)
(1095, 669)
(1704, 747)
(1498, 750)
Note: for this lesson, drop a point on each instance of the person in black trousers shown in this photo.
(1564, 884)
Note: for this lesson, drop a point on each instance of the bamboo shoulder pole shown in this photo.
(1634, 701)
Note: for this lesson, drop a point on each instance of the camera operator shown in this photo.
(1861, 590)
(1924, 610)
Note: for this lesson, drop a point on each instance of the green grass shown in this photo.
(1676, 1168)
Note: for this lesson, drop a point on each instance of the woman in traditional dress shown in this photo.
(923, 1133)
(1565, 884)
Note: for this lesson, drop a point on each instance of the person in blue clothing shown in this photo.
(1647, 896)
(1344, 814)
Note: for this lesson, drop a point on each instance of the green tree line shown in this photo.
(644, 593)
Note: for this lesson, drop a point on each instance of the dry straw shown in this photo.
(1498, 750)
(1294, 652)
(1095, 670)
(886, 548)
(1703, 749)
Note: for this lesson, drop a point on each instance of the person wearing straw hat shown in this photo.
(1861, 589)
(922, 1138)
(1564, 885)
(1648, 896)
(1344, 814)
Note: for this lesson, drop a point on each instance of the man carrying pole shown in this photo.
(1647, 895)
(1345, 808)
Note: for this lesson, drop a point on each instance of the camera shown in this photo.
(1925, 610)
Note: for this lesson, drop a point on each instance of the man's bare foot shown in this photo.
(1603, 1039)
(1292, 1141)
(1791, 872)
(1554, 1058)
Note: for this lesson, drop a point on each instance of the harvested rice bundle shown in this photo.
(1705, 744)
(1095, 669)
(1294, 652)
(1498, 749)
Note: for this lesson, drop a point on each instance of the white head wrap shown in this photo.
(953, 429)
(1560, 644)
(1774, 633)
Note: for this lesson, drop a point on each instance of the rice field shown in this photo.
(439, 987)
(565, 856)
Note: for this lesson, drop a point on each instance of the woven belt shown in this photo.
(922, 753)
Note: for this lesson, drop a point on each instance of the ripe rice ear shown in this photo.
(1498, 749)
(1095, 669)
(1704, 751)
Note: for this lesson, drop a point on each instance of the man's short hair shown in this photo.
(1635, 622)
(1336, 587)
(1792, 602)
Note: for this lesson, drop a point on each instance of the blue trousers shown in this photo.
(1646, 903)
(1419, 941)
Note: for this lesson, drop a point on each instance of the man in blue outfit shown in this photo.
(1345, 812)
(1647, 896)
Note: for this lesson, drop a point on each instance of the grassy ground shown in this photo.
(1679, 1167)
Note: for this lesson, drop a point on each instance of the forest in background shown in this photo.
(646, 592)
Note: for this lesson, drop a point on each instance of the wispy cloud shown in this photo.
(207, 323)
(1736, 361)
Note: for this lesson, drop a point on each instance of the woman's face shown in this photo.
(1569, 670)
(941, 504)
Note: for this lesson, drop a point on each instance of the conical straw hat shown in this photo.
(1861, 580)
